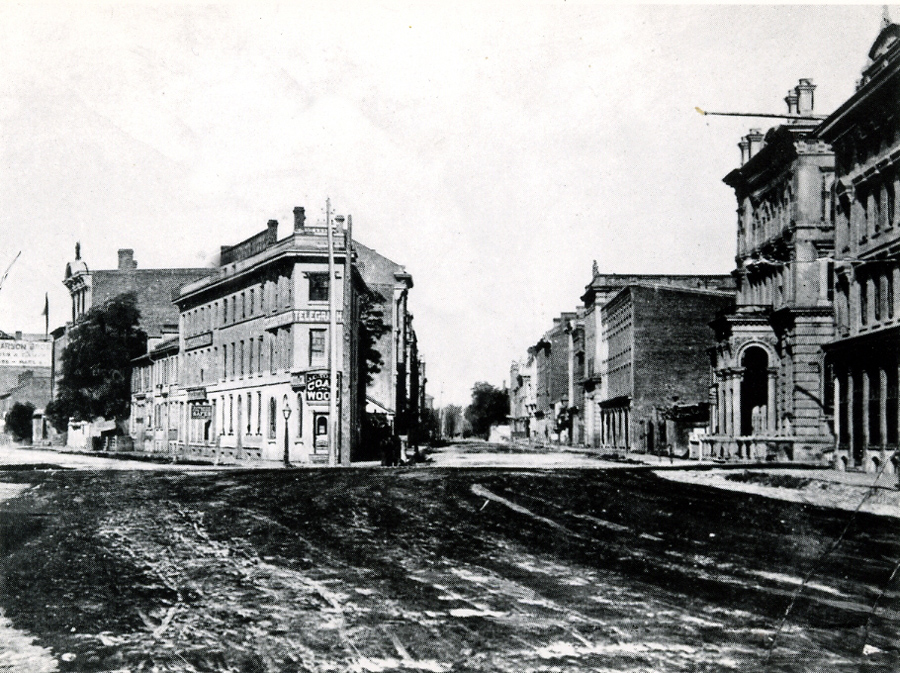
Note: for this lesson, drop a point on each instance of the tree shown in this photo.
(489, 406)
(96, 363)
(452, 420)
(371, 328)
(18, 421)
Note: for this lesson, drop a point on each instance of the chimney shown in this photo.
(271, 232)
(126, 259)
(299, 218)
(745, 150)
(804, 91)
(18, 335)
(754, 140)
(792, 99)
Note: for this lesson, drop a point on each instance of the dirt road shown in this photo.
(442, 570)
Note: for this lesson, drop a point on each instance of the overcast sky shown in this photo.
(495, 149)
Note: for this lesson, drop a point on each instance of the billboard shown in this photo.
(25, 354)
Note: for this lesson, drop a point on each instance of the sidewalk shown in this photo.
(849, 491)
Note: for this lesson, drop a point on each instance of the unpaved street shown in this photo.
(442, 570)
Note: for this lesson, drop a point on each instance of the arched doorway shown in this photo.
(754, 390)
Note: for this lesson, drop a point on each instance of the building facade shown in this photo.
(598, 417)
(655, 339)
(864, 355)
(254, 349)
(769, 399)
(153, 290)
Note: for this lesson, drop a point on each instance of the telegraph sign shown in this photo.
(318, 388)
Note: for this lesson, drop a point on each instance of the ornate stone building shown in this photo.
(865, 134)
(769, 398)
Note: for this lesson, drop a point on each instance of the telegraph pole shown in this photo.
(348, 320)
(332, 341)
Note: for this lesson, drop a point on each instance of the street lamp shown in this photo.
(287, 414)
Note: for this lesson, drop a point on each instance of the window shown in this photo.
(259, 358)
(251, 301)
(258, 413)
(243, 306)
(242, 359)
(233, 360)
(299, 415)
(272, 419)
(225, 311)
(231, 414)
(316, 346)
(876, 297)
(318, 287)
(250, 357)
(863, 301)
(249, 411)
(889, 293)
(272, 354)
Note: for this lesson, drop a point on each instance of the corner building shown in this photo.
(254, 345)
(770, 398)
(865, 353)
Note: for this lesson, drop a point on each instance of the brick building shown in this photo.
(655, 342)
(864, 355)
(769, 398)
(153, 288)
(391, 391)
(592, 384)
(25, 370)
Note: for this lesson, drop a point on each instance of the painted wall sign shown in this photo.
(14, 353)
(198, 341)
(318, 390)
(201, 412)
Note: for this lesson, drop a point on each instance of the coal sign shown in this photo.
(318, 387)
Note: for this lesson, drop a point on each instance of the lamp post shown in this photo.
(287, 414)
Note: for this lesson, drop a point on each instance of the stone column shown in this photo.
(865, 409)
(722, 393)
(836, 406)
(882, 405)
(771, 423)
(736, 402)
(850, 393)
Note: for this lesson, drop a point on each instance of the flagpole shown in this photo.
(46, 316)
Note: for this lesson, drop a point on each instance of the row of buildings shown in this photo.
(260, 356)
(794, 355)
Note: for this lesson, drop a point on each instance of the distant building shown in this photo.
(865, 353)
(655, 341)
(593, 382)
(522, 400)
(769, 397)
(397, 390)
(25, 371)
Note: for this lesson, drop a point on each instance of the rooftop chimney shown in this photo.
(271, 232)
(299, 218)
(126, 259)
(745, 150)
(19, 334)
(792, 99)
(805, 95)
(754, 140)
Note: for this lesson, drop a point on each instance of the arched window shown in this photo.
(272, 417)
(299, 415)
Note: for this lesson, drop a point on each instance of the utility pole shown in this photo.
(332, 348)
(349, 323)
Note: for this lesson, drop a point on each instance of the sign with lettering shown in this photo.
(198, 341)
(16, 353)
(201, 412)
(318, 388)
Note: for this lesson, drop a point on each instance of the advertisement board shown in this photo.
(318, 390)
(16, 353)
